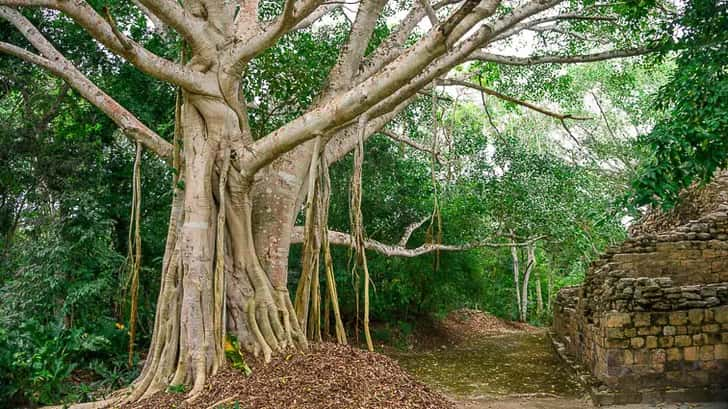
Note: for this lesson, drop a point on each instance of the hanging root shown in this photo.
(323, 206)
(308, 295)
(357, 227)
(434, 230)
(135, 248)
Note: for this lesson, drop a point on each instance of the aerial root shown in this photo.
(272, 326)
(199, 385)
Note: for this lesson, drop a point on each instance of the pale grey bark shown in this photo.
(400, 250)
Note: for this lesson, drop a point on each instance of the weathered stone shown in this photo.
(721, 314)
(707, 352)
(641, 319)
(712, 301)
(674, 354)
(618, 319)
(615, 358)
(615, 333)
(691, 353)
(628, 357)
(665, 342)
(721, 351)
(651, 342)
(617, 343)
(711, 339)
(695, 316)
(683, 340)
(655, 314)
(711, 328)
(644, 331)
(659, 356)
(637, 342)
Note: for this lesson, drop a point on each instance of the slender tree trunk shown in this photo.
(530, 262)
(516, 274)
(549, 287)
(539, 295)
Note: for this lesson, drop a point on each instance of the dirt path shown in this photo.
(466, 359)
(513, 364)
(565, 403)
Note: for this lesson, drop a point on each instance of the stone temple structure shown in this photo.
(650, 322)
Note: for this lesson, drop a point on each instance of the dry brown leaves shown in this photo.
(326, 376)
(466, 323)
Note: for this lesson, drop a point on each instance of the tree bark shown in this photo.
(516, 279)
(539, 295)
(213, 282)
(530, 262)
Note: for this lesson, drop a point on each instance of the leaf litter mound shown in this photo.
(325, 376)
(465, 323)
(693, 202)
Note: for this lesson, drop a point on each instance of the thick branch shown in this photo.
(172, 14)
(457, 82)
(353, 51)
(547, 19)
(460, 53)
(102, 30)
(344, 239)
(244, 49)
(57, 64)
(431, 15)
(391, 80)
(315, 16)
(345, 140)
(558, 59)
(159, 26)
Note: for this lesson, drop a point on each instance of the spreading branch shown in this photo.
(412, 143)
(345, 239)
(411, 229)
(558, 59)
(56, 63)
(103, 31)
(491, 92)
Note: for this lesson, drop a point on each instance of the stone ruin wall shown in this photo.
(652, 315)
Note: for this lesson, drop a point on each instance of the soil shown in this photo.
(564, 403)
(325, 376)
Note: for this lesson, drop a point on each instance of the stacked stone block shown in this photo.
(652, 314)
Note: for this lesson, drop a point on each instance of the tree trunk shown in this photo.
(516, 274)
(530, 262)
(539, 295)
(213, 281)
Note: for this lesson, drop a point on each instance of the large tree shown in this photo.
(238, 192)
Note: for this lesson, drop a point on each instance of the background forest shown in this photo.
(618, 135)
